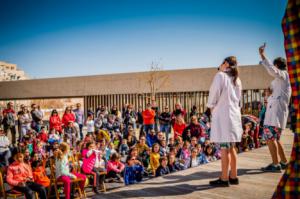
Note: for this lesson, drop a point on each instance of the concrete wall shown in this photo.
(253, 77)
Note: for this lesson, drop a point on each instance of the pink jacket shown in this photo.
(88, 162)
(18, 172)
(115, 166)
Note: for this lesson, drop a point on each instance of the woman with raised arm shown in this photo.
(226, 126)
(277, 110)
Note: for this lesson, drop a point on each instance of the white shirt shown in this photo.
(4, 143)
(90, 125)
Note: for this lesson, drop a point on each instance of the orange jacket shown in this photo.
(40, 177)
(18, 172)
(148, 116)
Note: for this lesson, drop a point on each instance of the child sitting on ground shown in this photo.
(115, 168)
(173, 164)
(209, 152)
(185, 155)
(133, 172)
(154, 158)
(163, 169)
(123, 149)
(247, 139)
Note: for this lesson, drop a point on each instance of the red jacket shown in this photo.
(148, 116)
(18, 172)
(55, 123)
(43, 136)
(67, 118)
(178, 129)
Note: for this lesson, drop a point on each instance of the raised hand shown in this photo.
(262, 51)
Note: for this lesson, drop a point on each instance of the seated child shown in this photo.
(62, 170)
(209, 152)
(247, 139)
(53, 137)
(115, 168)
(185, 155)
(194, 158)
(201, 155)
(173, 164)
(133, 172)
(93, 164)
(163, 169)
(123, 149)
(154, 158)
(39, 172)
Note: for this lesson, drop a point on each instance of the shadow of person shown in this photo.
(162, 191)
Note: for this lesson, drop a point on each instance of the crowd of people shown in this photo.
(111, 145)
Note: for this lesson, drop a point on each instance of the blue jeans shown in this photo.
(148, 127)
(80, 131)
(4, 157)
(166, 128)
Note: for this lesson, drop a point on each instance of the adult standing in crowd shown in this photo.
(148, 118)
(140, 120)
(68, 117)
(165, 122)
(177, 111)
(55, 121)
(9, 118)
(226, 127)
(24, 121)
(277, 109)
(37, 118)
(155, 107)
(130, 117)
(79, 118)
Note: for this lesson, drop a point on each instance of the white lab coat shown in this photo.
(224, 98)
(277, 108)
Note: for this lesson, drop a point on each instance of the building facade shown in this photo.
(10, 72)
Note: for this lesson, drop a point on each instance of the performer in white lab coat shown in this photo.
(226, 126)
(277, 109)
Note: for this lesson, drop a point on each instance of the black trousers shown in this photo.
(30, 188)
(99, 178)
(113, 174)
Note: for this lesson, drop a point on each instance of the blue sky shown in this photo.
(55, 38)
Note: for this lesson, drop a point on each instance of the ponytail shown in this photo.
(233, 71)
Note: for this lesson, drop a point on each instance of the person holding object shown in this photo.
(277, 109)
(226, 126)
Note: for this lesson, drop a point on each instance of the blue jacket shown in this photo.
(133, 174)
(151, 140)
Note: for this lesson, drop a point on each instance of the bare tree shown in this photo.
(157, 78)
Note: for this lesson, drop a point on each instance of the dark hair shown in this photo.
(128, 158)
(88, 144)
(162, 159)
(115, 156)
(53, 111)
(36, 164)
(233, 72)
(280, 63)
